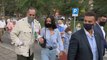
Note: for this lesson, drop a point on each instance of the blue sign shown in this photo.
(75, 11)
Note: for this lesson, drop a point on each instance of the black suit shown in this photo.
(98, 30)
(79, 47)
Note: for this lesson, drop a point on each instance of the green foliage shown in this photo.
(67, 7)
(45, 7)
(100, 6)
(7, 5)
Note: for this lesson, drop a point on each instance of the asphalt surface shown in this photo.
(7, 47)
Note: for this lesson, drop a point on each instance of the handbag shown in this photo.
(43, 45)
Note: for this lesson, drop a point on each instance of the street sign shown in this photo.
(75, 11)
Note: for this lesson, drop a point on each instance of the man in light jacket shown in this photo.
(23, 35)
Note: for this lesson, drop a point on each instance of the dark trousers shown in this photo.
(1, 33)
(20, 57)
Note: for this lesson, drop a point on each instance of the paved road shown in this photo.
(7, 50)
(6, 45)
(6, 54)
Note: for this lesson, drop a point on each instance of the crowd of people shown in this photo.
(6, 25)
(56, 38)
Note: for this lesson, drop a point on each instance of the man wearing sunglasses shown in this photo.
(24, 34)
(99, 27)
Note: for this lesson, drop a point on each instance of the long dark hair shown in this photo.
(53, 24)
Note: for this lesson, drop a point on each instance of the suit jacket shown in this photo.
(79, 47)
(98, 30)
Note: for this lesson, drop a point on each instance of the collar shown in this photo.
(99, 25)
(88, 34)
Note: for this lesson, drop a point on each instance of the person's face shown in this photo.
(31, 13)
(60, 22)
(48, 21)
(89, 20)
(102, 21)
(57, 14)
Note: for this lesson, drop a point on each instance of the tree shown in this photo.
(7, 7)
(44, 7)
(100, 6)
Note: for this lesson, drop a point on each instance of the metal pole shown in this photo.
(74, 24)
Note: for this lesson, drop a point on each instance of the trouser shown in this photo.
(20, 57)
(47, 54)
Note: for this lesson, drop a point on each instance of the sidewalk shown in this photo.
(6, 53)
(7, 50)
(6, 45)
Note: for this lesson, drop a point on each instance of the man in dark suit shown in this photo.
(99, 27)
(86, 43)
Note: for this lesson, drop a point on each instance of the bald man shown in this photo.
(23, 35)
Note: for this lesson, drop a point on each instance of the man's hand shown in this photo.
(21, 43)
(62, 56)
(18, 43)
(61, 53)
(41, 40)
(62, 33)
